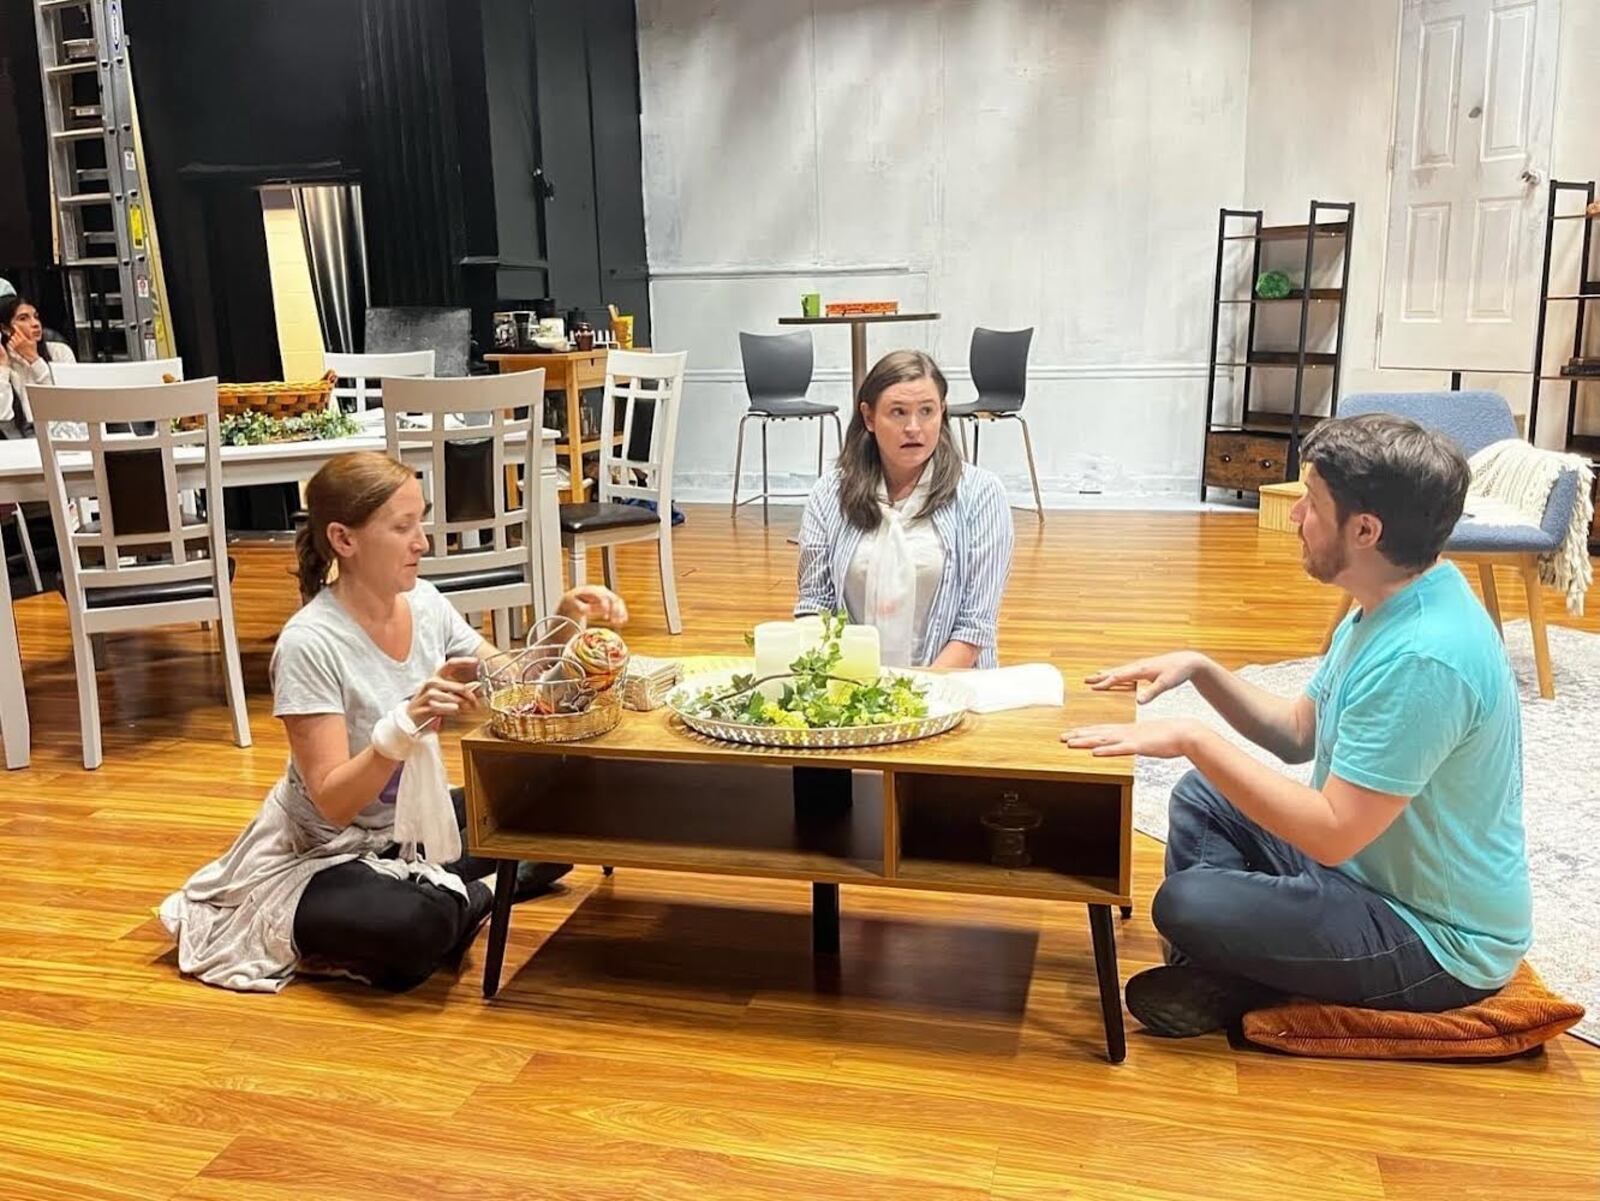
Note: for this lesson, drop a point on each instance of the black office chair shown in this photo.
(999, 361)
(777, 375)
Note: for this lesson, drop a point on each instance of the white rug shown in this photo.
(1561, 798)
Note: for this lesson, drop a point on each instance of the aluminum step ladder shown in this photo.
(105, 235)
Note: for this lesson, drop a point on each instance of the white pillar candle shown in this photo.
(810, 631)
(778, 644)
(859, 656)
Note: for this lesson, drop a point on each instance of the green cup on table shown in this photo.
(811, 304)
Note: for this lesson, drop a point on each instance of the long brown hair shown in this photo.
(861, 467)
(347, 489)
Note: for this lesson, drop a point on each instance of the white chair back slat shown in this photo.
(361, 375)
(431, 415)
(184, 549)
(640, 382)
(142, 374)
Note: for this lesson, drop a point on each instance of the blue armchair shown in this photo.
(1476, 420)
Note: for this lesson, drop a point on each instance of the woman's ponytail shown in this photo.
(311, 564)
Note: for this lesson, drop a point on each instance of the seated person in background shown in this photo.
(314, 883)
(903, 533)
(25, 358)
(1399, 878)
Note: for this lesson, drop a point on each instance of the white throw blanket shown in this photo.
(1511, 483)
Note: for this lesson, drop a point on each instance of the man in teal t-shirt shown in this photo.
(1398, 879)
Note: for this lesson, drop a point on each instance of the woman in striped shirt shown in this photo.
(904, 534)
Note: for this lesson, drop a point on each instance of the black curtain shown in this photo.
(412, 176)
(233, 96)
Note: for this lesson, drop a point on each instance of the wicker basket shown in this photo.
(597, 719)
(275, 398)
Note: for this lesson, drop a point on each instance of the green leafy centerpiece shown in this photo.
(818, 694)
(256, 428)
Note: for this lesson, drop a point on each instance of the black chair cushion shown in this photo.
(792, 408)
(588, 518)
(464, 581)
(151, 594)
(990, 405)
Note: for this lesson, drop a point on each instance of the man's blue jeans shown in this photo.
(1244, 902)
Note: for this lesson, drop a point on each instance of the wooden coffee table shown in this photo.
(652, 794)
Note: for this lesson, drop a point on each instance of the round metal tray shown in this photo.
(946, 709)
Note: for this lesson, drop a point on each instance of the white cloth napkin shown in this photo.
(996, 689)
(423, 814)
(891, 598)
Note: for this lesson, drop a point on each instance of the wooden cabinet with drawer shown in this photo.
(1242, 460)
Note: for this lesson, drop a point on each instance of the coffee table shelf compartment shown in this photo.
(1076, 851)
(718, 818)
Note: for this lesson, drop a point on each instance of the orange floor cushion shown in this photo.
(1520, 1016)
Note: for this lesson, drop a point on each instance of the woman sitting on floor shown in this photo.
(370, 663)
(904, 534)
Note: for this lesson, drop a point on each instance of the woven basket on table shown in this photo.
(275, 398)
(599, 717)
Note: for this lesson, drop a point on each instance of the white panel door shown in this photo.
(1467, 195)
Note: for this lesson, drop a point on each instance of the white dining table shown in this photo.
(22, 479)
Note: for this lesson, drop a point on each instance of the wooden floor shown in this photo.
(673, 1036)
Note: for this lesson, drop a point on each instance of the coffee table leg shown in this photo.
(1105, 966)
(825, 919)
(505, 884)
(1127, 911)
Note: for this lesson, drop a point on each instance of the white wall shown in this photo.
(1004, 162)
(1320, 122)
(1022, 162)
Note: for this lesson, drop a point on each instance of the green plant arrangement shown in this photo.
(1273, 285)
(813, 696)
(255, 429)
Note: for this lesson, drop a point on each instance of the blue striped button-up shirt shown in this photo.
(975, 529)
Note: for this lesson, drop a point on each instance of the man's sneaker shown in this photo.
(536, 879)
(1185, 1001)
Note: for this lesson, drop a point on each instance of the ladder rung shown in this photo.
(85, 198)
(74, 68)
(77, 135)
(91, 174)
(95, 262)
(61, 3)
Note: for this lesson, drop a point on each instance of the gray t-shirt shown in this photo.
(326, 663)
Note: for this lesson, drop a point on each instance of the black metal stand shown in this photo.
(505, 887)
(1587, 293)
(1288, 428)
(1105, 966)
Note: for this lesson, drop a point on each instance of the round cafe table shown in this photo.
(858, 323)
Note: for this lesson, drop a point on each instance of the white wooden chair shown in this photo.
(107, 574)
(647, 387)
(476, 431)
(361, 376)
(141, 374)
(145, 373)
